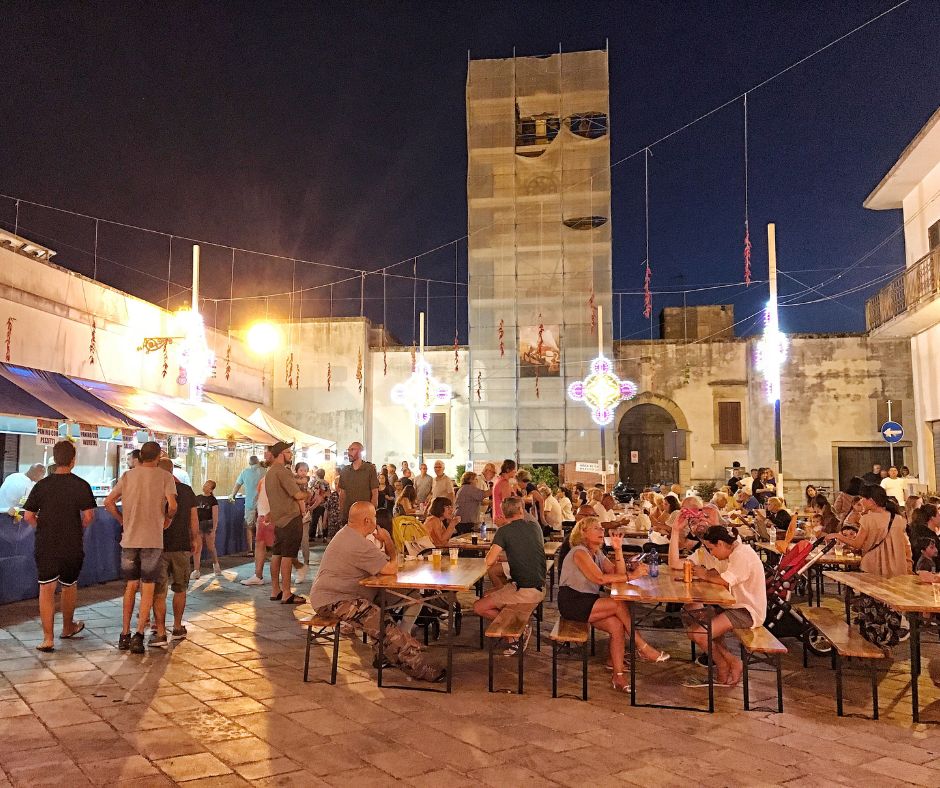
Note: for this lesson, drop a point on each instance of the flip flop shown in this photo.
(293, 599)
(277, 597)
(80, 625)
(45, 649)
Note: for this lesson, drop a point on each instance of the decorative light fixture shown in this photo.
(602, 391)
(263, 338)
(771, 352)
(421, 392)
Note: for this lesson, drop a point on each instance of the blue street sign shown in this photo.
(892, 432)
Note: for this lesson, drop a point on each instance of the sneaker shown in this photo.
(137, 643)
(254, 580)
(701, 661)
(179, 634)
(124, 642)
(158, 641)
(194, 575)
(217, 569)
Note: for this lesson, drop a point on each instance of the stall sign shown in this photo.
(88, 434)
(129, 439)
(230, 447)
(162, 441)
(47, 432)
(182, 445)
(587, 467)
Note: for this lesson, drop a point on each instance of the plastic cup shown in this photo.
(840, 548)
(454, 554)
(436, 558)
(474, 539)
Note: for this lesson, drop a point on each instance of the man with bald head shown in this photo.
(17, 487)
(358, 481)
(361, 549)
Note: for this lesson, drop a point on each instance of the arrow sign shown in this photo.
(892, 432)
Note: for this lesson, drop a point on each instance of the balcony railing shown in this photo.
(918, 284)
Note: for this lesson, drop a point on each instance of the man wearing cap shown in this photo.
(358, 481)
(287, 509)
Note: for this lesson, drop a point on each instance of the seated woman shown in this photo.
(663, 519)
(809, 494)
(595, 497)
(777, 516)
(882, 535)
(926, 567)
(441, 523)
(584, 570)
(847, 497)
(743, 576)
(407, 503)
(828, 522)
(925, 524)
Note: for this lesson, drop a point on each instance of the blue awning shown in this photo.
(15, 401)
(67, 399)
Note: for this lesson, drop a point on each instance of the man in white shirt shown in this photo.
(895, 486)
(17, 486)
(181, 474)
(442, 486)
(423, 483)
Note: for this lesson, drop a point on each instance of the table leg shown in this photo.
(848, 605)
(381, 632)
(914, 618)
(820, 585)
(632, 655)
(711, 668)
(450, 641)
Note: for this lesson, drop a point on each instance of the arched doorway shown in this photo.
(644, 430)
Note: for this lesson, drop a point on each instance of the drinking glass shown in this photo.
(436, 558)
(454, 554)
(840, 548)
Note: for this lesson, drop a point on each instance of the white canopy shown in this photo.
(265, 420)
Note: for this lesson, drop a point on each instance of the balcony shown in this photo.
(910, 303)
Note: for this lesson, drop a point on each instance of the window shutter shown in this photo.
(897, 412)
(729, 423)
(434, 434)
(933, 235)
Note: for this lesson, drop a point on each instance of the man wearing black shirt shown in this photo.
(873, 476)
(178, 543)
(59, 507)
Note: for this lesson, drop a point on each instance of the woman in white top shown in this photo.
(744, 577)
(594, 501)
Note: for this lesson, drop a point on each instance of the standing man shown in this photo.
(248, 481)
(895, 486)
(735, 481)
(484, 482)
(60, 508)
(423, 483)
(148, 496)
(502, 489)
(521, 541)
(179, 542)
(442, 486)
(17, 487)
(287, 502)
(133, 458)
(358, 481)
(873, 477)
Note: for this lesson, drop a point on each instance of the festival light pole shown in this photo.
(602, 391)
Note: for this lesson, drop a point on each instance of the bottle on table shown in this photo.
(654, 564)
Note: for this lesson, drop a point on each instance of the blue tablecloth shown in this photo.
(18, 579)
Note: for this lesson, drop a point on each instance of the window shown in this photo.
(897, 413)
(933, 236)
(729, 423)
(434, 435)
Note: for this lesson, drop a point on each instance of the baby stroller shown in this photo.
(782, 581)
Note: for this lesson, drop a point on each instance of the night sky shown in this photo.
(338, 134)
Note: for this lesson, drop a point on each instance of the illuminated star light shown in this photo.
(602, 391)
(196, 359)
(421, 392)
(770, 354)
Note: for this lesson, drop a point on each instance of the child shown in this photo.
(926, 569)
(207, 507)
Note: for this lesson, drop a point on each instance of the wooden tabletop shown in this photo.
(831, 559)
(668, 587)
(629, 541)
(464, 543)
(459, 575)
(905, 593)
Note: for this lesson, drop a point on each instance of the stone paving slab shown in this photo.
(227, 707)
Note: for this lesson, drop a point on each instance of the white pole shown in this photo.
(890, 445)
(421, 331)
(195, 277)
(600, 352)
(600, 330)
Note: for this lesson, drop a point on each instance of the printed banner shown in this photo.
(182, 445)
(129, 439)
(162, 441)
(47, 432)
(88, 434)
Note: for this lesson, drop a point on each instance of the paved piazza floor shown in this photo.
(227, 707)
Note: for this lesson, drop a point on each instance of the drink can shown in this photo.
(687, 571)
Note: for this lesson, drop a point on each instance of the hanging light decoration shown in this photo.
(602, 391)
(421, 392)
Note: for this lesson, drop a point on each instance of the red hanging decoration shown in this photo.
(329, 375)
(289, 371)
(479, 386)
(228, 361)
(537, 392)
(541, 344)
(384, 355)
(593, 307)
(10, 321)
(166, 360)
(456, 354)
(501, 333)
(647, 295)
(414, 357)
(297, 376)
(747, 254)
(93, 345)
(359, 370)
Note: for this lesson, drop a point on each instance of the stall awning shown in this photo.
(217, 422)
(265, 420)
(70, 400)
(18, 402)
(141, 406)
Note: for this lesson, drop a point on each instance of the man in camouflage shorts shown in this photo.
(350, 557)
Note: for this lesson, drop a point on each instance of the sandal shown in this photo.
(46, 649)
(277, 596)
(293, 599)
(79, 626)
(661, 656)
(619, 687)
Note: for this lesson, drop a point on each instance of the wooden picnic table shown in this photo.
(669, 587)
(460, 575)
(483, 546)
(907, 595)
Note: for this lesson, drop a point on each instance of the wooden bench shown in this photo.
(510, 623)
(845, 642)
(550, 569)
(327, 630)
(571, 632)
(760, 646)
